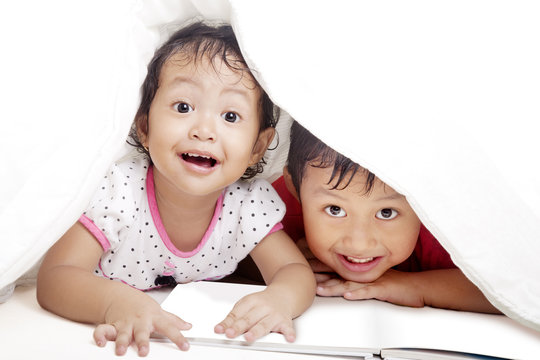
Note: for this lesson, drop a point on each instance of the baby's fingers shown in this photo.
(108, 332)
(241, 318)
(123, 339)
(121, 335)
(171, 329)
(104, 333)
(266, 325)
(141, 335)
(234, 325)
(287, 329)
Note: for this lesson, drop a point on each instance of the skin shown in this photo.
(203, 110)
(354, 239)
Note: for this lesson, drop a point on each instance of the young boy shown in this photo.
(366, 233)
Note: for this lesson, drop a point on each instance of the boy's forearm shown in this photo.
(450, 289)
(295, 283)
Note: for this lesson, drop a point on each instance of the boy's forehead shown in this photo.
(318, 179)
(322, 176)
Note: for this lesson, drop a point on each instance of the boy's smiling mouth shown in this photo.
(358, 260)
(359, 264)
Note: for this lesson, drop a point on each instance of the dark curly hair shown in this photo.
(196, 41)
(307, 150)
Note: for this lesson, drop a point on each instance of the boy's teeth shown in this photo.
(359, 261)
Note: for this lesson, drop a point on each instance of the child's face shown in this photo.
(203, 126)
(358, 235)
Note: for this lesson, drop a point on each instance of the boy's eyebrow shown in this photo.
(321, 190)
(394, 196)
(335, 193)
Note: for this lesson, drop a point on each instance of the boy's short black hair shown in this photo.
(307, 150)
(197, 41)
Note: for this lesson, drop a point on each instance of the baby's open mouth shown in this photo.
(200, 160)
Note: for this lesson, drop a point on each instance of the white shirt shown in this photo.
(124, 218)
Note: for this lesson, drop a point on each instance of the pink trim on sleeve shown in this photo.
(94, 230)
(277, 227)
(152, 204)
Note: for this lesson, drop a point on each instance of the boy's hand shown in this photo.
(393, 286)
(134, 320)
(256, 315)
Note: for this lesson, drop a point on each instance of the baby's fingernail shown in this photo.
(143, 350)
(291, 338)
(185, 346)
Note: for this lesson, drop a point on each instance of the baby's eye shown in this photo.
(386, 214)
(183, 107)
(230, 116)
(335, 211)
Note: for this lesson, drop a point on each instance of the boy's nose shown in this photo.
(203, 128)
(361, 237)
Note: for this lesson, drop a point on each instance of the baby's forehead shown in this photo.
(229, 68)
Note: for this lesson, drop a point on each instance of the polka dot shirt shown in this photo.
(124, 218)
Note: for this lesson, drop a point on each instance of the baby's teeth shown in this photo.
(197, 155)
(359, 261)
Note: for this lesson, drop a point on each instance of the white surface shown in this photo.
(29, 332)
(361, 326)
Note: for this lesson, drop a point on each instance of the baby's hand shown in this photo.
(134, 320)
(256, 315)
(393, 286)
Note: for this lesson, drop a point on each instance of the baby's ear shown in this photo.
(141, 122)
(263, 142)
(289, 183)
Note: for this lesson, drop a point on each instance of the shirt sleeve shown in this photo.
(113, 205)
(261, 212)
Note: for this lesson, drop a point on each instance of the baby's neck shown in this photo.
(186, 222)
(185, 217)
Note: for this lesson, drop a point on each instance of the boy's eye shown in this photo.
(335, 211)
(183, 107)
(386, 214)
(229, 116)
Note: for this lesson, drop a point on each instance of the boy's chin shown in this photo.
(362, 278)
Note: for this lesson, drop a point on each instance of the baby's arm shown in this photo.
(67, 286)
(444, 288)
(290, 291)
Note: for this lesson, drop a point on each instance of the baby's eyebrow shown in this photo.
(236, 91)
(181, 79)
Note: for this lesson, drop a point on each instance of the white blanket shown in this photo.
(439, 100)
